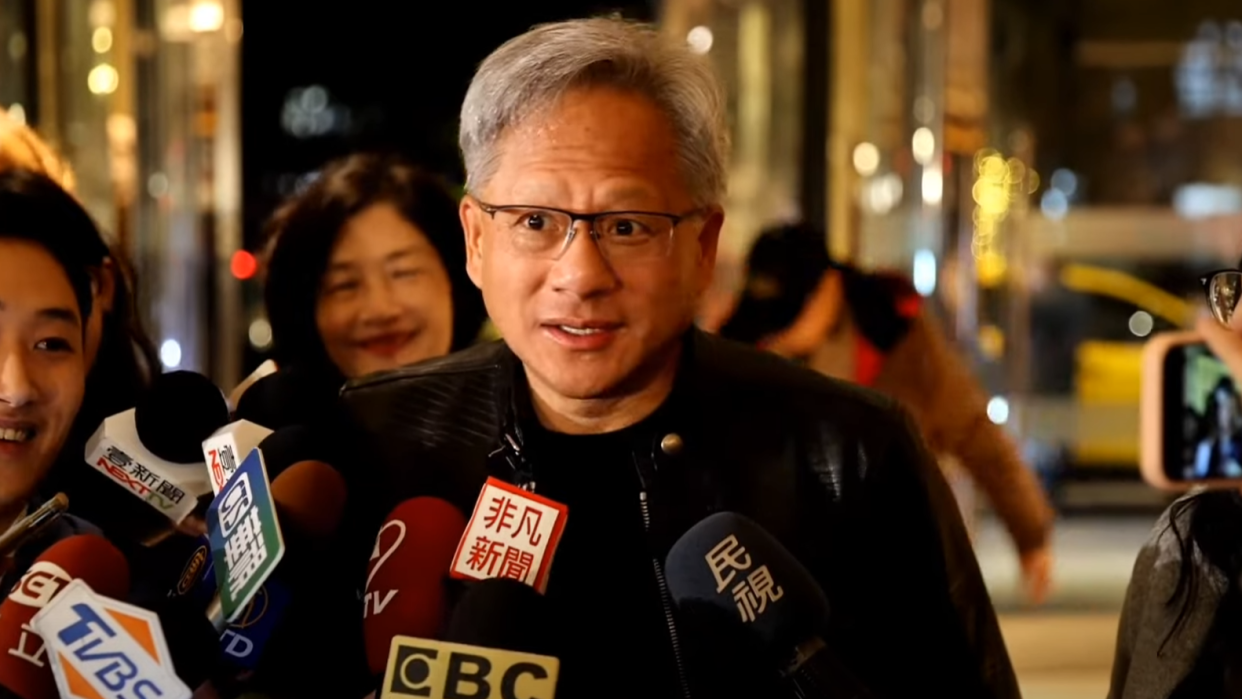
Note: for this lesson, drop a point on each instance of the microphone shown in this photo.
(25, 668)
(154, 450)
(503, 613)
(193, 642)
(290, 396)
(177, 413)
(498, 641)
(405, 592)
(226, 446)
(728, 565)
(100, 646)
(291, 444)
(267, 368)
(310, 498)
(33, 524)
(281, 631)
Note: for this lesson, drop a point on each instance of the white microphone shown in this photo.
(265, 369)
(227, 447)
(154, 450)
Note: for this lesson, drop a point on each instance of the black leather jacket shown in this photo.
(835, 472)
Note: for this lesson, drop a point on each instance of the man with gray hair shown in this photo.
(596, 159)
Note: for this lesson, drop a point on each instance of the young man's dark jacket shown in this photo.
(834, 472)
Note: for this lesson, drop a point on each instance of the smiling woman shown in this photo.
(46, 244)
(366, 271)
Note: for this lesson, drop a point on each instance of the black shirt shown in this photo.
(603, 578)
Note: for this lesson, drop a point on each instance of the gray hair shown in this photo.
(532, 72)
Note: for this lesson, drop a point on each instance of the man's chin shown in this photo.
(582, 383)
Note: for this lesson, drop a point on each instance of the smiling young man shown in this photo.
(595, 152)
(45, 295)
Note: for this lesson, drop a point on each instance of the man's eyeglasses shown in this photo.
(1223, 289)
(542, 232)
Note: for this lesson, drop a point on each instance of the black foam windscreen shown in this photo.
(291, 396)
(730, 563)
(293, 443)
(178, 412)
(192, 642)
(504, 614)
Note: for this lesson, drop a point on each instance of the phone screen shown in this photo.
(1204, 440)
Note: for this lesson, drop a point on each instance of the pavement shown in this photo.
(1064, 649)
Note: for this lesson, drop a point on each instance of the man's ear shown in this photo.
(105, 285)
(709, 244)
(472, 224)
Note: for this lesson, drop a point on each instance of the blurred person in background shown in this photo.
(871, 329)
(365, 271)
(120, 358)
(48, 246)
(1180, 634)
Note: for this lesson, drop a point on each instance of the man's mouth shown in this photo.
(572, 330)
(581, 326)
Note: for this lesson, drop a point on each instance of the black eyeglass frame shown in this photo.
(675, 220)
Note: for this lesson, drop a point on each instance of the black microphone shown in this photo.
(290, 396)
(292, 444)
(192, 641)
(178, 412)
(153, 451)
(503, 613)
(729, 565)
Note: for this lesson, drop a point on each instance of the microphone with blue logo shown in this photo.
(25, 669)
(728, 568)
(261, 534)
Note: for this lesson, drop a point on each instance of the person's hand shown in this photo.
(815, 321)
(1037, 573)
(1225, 343)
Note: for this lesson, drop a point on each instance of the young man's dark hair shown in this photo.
(34, 208)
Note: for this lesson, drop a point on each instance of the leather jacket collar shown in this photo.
(662, 436)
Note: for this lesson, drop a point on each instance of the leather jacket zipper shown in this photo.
(523, 473)
(524, 478)
(666, 598)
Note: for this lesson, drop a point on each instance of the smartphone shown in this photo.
(1190, 416)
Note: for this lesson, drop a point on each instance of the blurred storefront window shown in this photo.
(17, 65)
(1054, 176)
(757, 49)
(1129, 112)
(141, 97)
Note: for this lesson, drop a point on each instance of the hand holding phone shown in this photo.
(1225, 343)
(1191, 412)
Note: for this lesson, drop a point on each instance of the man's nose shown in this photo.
(583, 270)
(17, 386)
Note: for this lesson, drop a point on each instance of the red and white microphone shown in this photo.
(512, 534)
(405, 589)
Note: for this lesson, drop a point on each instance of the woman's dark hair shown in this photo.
(784, 267)
(304, 230)
(34, 208)
(1209, 543)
